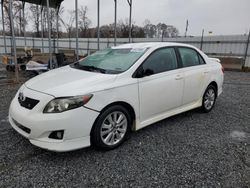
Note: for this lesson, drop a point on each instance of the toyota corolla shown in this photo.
(100, 99)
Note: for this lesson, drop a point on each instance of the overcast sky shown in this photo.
(222, 17)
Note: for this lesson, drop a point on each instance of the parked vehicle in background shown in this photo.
(100, 99)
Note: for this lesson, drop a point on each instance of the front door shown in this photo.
(161, 88)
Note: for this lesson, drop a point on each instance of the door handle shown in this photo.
(206, 71)
(178, 77)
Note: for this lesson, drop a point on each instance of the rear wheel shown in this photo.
(209, 98)
(111, 127)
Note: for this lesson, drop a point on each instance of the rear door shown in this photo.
(195, 72)
(161, 86)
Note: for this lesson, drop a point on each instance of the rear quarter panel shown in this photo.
(216, 75)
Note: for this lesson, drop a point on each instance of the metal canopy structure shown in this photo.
(52, 3)
(49, 4)
(56, 5)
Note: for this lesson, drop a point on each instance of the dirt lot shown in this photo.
(190, 149)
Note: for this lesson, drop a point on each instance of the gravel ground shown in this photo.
(192, 149)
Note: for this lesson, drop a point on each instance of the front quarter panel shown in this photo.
(124, 90)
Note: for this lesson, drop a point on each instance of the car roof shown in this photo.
(151, 45)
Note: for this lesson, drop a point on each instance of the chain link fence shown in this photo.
(235, 46)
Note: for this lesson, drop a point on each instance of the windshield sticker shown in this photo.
(138, 50)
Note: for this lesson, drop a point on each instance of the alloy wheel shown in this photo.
(114, 128)
(209, 99)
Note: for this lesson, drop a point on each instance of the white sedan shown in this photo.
(100, 99)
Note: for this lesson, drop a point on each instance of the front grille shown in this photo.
(20, 126)
(28, 102)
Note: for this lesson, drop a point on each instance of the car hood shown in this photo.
(67, 81)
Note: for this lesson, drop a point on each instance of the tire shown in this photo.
(209, 99)
(108, 134)
(8, 68)
(23, 67)
(12, 68)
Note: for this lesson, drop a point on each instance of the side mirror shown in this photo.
(142, 73)
(148, 72)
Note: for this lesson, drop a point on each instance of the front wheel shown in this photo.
(111, 127)
(209, 98)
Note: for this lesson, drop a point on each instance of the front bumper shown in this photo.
(76, 123)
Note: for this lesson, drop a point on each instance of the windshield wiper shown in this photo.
(92, 68)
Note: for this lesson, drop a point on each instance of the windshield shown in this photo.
(111, 61)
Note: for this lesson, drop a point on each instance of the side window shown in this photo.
(160, 61)
(189, 57)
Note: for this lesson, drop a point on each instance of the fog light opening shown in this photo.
(58, 135)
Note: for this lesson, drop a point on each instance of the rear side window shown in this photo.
(161, 60)
(190, 57)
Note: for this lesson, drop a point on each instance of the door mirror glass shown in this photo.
(143, 73)
(148, 72)
(140, 73)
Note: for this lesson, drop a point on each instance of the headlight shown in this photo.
(59, 105)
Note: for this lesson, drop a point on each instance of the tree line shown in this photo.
(37, 22)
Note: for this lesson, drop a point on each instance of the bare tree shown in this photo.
(149, 29)
(35, 18)
(68, 24)
(18, 19)
(105, 31)
(172, 31)
(53, 18)
(160, 30)
(123, 28)
(84, 21)
(137, 31)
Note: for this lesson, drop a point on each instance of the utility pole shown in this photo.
(4, 36)
(247, 46)
(24, 31)
(187, 24)
(42, 28)
(98, 24)
(13, 40)
(77, 34)
(57, 29)
(202, 36)
(49, 31)
(162, 35)
(115, 29)
(130, 19)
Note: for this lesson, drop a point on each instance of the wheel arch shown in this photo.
(123, 104)
(213, 83)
